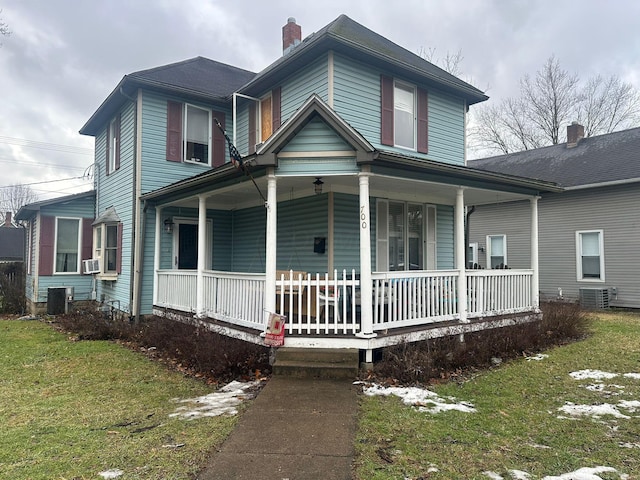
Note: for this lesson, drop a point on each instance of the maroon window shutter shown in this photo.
(423, 121)
(47, 241)
(386, 115)
(252, 128)
(218, 140)
(276, 111)
(119, 251)
(87, 238)
(108, 148)
(117, 135)
(174, 131)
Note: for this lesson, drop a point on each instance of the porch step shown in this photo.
(317, 362)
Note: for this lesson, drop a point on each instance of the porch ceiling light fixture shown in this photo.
(317, 186)
(168, 225)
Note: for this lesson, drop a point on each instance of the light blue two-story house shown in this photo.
(343, 209)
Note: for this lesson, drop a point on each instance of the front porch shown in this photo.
(325, 311)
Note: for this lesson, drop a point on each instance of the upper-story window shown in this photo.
(113, 145)
(193, 136)
(197, 141)
(404, 115)
(264, 118)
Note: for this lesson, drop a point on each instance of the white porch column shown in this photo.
(460, 255)
(272, 242)
(156, 253)
(535, 280)
(366, 289)
(202, 254)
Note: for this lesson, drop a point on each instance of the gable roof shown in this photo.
(29, 210)
(595, 161)
(348, 36)
(198, 78)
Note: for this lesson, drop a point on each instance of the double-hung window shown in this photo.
(67, 245)
(113, 145)
(404, 115)
(497, 251)
(590, 255)
(106, 248)
(197, 141)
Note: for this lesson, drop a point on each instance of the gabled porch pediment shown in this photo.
(314, 127)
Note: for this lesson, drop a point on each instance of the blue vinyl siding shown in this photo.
(444, 239)
(156, 170)
(346, 228)
(356, 96)
(248, 248)
(317, 136)
(357, 100)
(298, 88)
(78, 208)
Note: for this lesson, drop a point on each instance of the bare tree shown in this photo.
(451, 62)
(547, 103)
(13, 197)
(4, 28)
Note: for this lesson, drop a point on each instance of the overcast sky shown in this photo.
(65, 56)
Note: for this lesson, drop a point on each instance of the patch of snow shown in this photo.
(631, 405)
(585, 473)
(113, 473)
(600, 387)
(632, 375)
(519, 475)
(538, 357)
(425, 400)
(592, 374)
(537, 445)
(595, 411)
(222, 402)
(492, 475)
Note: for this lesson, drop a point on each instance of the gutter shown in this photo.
(611, 183)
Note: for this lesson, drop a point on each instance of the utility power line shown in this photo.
(46, 146)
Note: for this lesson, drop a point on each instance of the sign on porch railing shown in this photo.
(275, 330)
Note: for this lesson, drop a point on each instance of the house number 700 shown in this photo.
(363, 217)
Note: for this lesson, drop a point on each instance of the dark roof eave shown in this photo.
(467, 172)
(129, 84)
(331, 40)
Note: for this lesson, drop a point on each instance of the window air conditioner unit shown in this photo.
(91, 266)
(594, 298)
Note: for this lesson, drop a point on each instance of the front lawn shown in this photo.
(573, 413)
(76, 409)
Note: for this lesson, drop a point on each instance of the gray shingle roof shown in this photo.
(613, 157)
(199, 75)
(12, 244)
(345, 34)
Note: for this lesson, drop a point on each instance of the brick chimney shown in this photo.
(291, 35)
(575, 133)
(7, 219)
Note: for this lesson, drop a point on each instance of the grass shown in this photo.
(71, 409)
(517, 408)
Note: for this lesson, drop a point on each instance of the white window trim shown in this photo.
(579, 276)
(473, 246)
(488, 252)
(100, 252)
(209, 240)
(184, 135)
(113, 139)
(414, 88)
(55, 247)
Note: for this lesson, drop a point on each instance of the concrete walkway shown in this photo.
(295, 429)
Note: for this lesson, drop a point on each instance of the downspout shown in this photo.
(466, 235)
(140, 254)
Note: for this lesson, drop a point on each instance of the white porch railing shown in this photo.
(499, 291)
(318, 304)
(408, 298)
(324, 305)
(177, 289)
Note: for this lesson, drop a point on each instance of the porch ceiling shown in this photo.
(245, 194)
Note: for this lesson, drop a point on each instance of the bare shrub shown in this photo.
(12, 297)
(421, 362)
(191, 349)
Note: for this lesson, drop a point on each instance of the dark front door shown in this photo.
(187, 246)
